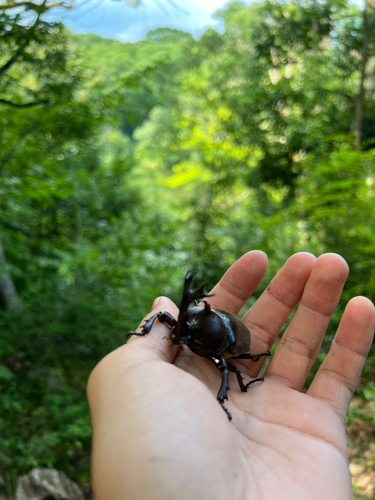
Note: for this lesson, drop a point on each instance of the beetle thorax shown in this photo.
(203, 331)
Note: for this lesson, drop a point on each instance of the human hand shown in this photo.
(159, 432)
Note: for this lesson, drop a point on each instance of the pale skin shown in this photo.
(160, 434)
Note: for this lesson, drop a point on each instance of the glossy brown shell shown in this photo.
(207, 329)
(241, 334)
(217, 332)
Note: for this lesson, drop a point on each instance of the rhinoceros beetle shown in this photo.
(212, 333)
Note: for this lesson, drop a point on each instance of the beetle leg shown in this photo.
(164, 318)
(259, 379)
(223, 391)
(226, 411)
(240, 379)
(252, 357)
(224, 388)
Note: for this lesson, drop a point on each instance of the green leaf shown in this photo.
(5, 373)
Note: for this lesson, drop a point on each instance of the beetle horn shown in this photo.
(188, 296)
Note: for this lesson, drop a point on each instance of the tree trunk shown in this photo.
(8, 293)
(368, 27)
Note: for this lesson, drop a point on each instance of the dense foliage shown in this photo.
(123, 165)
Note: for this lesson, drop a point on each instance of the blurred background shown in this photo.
(142, 139)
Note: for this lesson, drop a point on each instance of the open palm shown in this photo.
(159, 432)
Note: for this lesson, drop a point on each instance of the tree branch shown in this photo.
(11, 61)
(32, 5)
(25, 105)
(39, 8)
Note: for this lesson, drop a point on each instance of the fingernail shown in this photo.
(156, 302)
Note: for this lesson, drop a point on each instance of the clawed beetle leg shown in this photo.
(164, 317)
(224, 388)
(252, 357)
(240, 379)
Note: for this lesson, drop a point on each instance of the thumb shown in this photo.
(139, 349)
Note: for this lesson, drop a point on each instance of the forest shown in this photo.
(123, 165)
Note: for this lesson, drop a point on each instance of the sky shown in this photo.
(118, 19)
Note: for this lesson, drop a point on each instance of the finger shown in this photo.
(338, 375)
(239, 282)
(272, 309)
(154, 343)
(302, 339)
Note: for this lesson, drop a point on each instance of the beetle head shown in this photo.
(179, 340)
